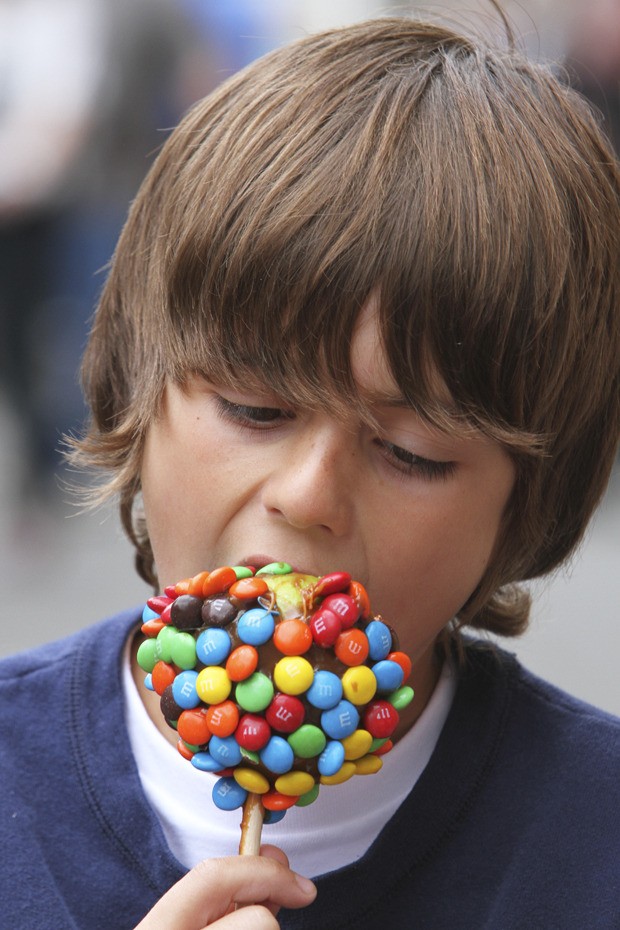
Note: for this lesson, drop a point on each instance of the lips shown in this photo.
(259, 560)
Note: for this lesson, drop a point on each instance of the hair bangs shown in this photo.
(363, 197)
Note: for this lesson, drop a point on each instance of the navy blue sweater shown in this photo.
(515, 823)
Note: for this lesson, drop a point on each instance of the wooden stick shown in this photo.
(251, 826)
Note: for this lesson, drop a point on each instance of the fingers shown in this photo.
(260, 880)
(274, 852)
(252, 917)
(210, 890)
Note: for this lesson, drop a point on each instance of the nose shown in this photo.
(314, 482)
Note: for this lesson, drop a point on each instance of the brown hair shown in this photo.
(466, 187)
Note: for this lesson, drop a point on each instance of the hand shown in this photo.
(207, 895)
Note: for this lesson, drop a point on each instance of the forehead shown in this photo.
(371, 369)
(369, 365)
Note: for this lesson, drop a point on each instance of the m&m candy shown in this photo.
(278, 683)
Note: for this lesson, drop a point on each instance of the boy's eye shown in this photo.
(248, 415)
(411, 464)
(408, 463)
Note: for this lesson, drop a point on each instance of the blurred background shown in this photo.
(89, 90)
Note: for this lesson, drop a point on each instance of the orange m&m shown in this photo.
(223, 719)
(402, 659)
(242, 662)
(219, 580)
(352, 647)
(246, 589)
(193, 726)
(292, 637)
(163, 675)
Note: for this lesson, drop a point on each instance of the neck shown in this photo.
(424, 677)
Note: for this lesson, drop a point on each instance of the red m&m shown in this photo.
(286, 713)
(381, 719)
(253, 732)
(344, 607)
(326, 627)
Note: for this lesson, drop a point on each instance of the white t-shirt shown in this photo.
(332, 832)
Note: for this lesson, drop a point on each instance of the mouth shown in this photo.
(259, 560)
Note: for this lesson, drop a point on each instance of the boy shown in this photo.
(363, 315)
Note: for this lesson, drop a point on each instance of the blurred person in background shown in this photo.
(593, 60)
(86, 87)
(88, 92)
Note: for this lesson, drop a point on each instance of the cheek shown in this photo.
(437, 577)
(174, 507)
(434, 561)
(158, 495)
(190, 486)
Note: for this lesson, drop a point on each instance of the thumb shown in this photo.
(212, 888)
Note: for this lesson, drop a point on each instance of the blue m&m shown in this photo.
(228, 795)
(213, 646)
(255, 627)
(205, 762)
(389, 675)
(332, 758)
(225, 750)
(149, 614)
(325, 691)
(277, 756)
(379, 639)
(341, 720)
(184, 689)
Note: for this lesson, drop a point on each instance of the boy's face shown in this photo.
(233, 476)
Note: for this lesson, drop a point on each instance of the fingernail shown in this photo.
(305, 884)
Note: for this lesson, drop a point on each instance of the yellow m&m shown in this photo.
(252, 781)
(344, 774)
(357, 745)
(293, 675)
(369, 765)
(294, 783)
(359, 684)
(213, 684)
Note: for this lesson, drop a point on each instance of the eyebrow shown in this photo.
(399, 402)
